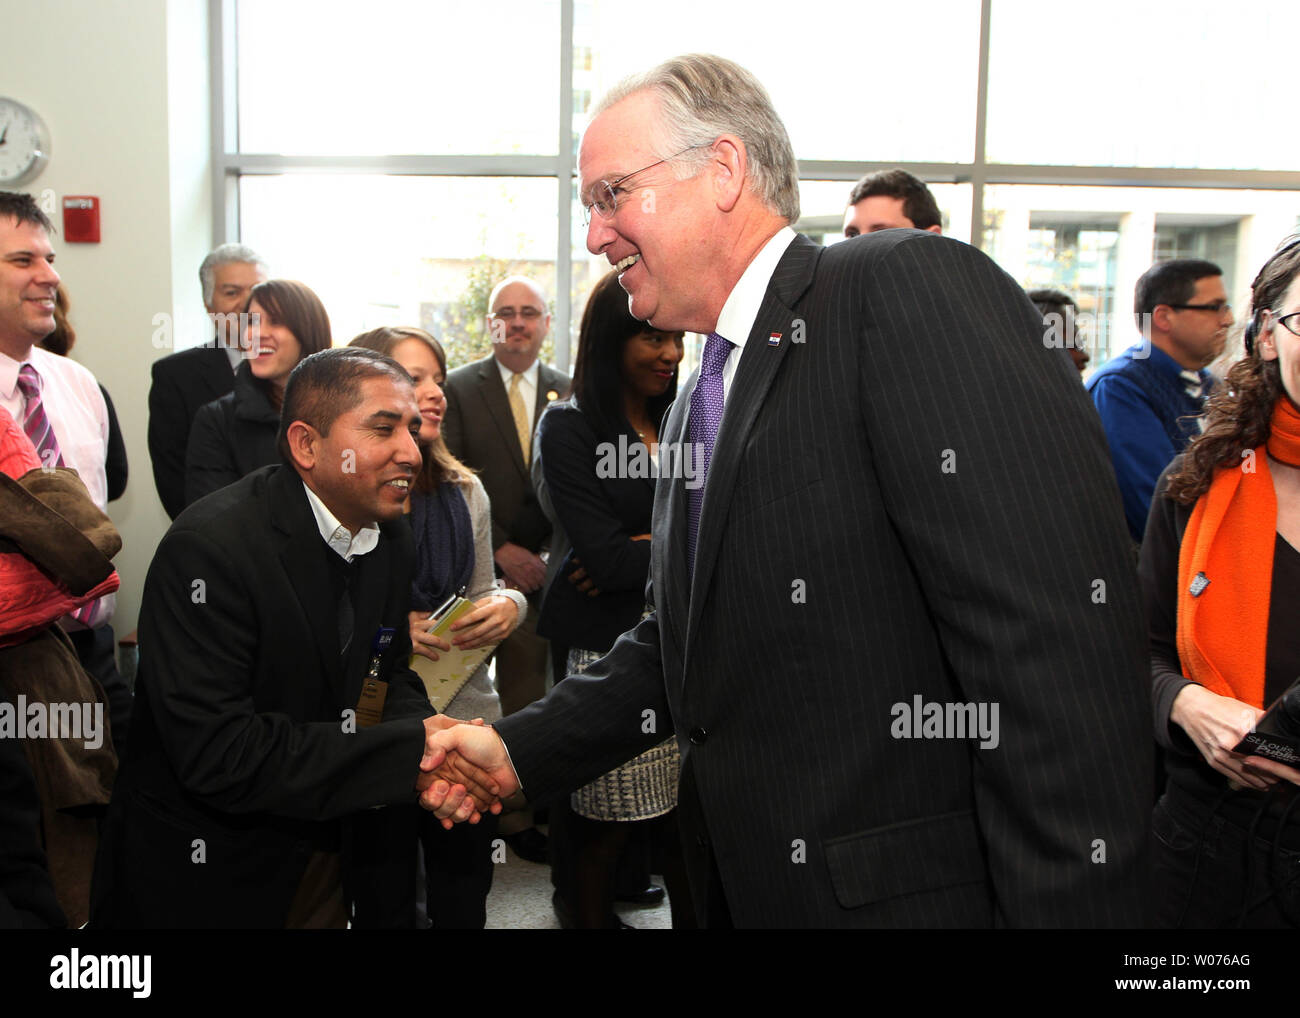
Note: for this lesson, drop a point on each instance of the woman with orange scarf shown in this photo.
(1220, 571)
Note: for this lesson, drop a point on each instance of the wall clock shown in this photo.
(24, 143)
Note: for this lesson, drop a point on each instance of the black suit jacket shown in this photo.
(241, 746)
(600, 514)
(480, 431)
(889, 514)
(182, 382)
(230, 437)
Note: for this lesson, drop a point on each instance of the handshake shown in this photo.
(465, 771)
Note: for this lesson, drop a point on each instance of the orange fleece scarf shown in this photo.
(1225, 569)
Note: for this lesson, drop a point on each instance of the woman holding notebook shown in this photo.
(451, 521)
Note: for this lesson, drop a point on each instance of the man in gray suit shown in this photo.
(897, 634)
(492, 410)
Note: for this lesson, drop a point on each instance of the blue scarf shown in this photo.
(444, 545)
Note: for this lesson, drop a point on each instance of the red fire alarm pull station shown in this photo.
(81, 219)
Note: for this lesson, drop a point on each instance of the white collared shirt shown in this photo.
(527, 386)
(76, 411)
(746, 297)
(339, 537)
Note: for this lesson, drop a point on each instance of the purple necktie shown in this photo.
(35, 423)
(706, 415)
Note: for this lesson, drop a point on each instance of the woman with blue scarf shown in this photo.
(451, 519)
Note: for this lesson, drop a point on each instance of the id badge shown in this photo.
(370, 707)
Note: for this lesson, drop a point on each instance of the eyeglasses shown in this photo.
(605, 193)
(527, 314)
(1289, 322)
(1216, 306)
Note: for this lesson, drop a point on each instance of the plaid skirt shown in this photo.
(642, 788)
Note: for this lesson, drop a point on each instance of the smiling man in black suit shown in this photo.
(886, 518)
(268, 607)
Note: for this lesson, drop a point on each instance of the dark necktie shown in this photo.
(35, 423)
(345, 574)
(706, 415)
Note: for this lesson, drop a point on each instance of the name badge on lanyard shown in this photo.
(370, 708)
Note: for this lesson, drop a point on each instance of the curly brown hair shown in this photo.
(1239, 413)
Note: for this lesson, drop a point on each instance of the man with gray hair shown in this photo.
(887, 536)
(184, 381)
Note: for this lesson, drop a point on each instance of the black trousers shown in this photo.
(1208, 874)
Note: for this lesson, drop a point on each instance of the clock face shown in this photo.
(24, 143)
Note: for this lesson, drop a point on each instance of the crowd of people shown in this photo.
(856, 532)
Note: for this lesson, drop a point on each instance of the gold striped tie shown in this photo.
(520, 413)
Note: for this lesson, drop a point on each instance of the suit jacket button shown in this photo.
(698, 736)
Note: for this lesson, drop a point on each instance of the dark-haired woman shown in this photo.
(624, 379)
(1221, 577)
(451, 520)
(234, 435)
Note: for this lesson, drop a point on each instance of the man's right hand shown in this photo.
(522, 569)
(475, 752)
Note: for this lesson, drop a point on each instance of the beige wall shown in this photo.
(123, 89)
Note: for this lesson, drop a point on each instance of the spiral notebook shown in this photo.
(444, 678)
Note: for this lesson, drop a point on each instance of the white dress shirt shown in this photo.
(746, 297)
(336, 535)
(75, 408)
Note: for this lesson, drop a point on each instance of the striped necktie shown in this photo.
(36, 425)
(38, 429)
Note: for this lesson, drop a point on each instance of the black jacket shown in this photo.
(241, 754)
(232, 436)
(182, 383)
(600, 516)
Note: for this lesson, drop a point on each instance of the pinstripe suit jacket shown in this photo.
(915, 500)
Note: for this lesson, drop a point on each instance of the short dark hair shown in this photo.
(22, 208)
(918, 203)
(327, 385)
(1171, 282)
(1048, 300)
(607, 326)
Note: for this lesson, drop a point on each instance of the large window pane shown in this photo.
(408, 77)
(1094, 243)
(878, 82)
(1118, 83)
(404, 250)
